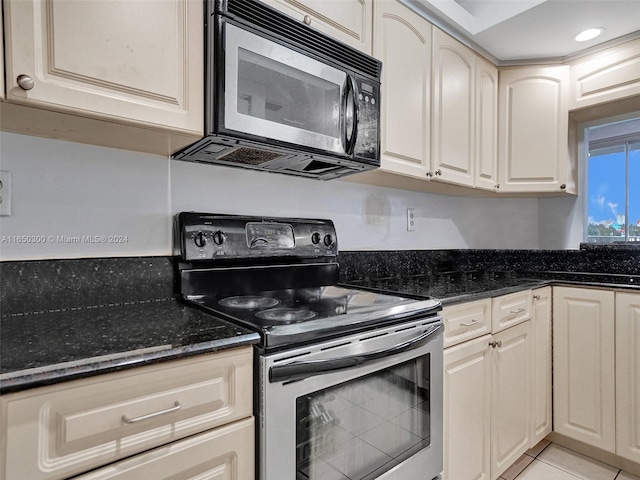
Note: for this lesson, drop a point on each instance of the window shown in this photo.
(613, 183)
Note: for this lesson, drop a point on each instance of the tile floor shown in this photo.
(548, 461)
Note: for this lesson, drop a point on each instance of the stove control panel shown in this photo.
(209, 237)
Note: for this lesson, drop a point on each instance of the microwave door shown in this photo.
(276, 93)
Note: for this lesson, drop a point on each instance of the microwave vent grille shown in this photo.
(303, 36)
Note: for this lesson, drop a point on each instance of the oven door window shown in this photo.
(365, 427)
(275, 92)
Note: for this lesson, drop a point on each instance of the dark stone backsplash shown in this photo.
(49, 285)
(35, 286)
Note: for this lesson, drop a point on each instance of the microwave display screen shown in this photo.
(279, 93)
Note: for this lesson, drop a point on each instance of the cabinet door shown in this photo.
(403, 44)
(541, 365)
(583, 365)
(486, 132)
(534, 122)
(628, 375)
(350, 21)
(453, 110)
(510, 398)
(467, 396)
(606, 76)
(139, 62)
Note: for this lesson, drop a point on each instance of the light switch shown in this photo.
(5, 193)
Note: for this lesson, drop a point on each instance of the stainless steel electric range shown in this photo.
(348, 381)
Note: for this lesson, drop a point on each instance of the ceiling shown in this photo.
(518, 31)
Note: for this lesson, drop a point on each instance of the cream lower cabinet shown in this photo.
(584, 365)
(68, 429)
(541, 326)
(403, 44)
(628, 376)
(467, 410)
(487, 391)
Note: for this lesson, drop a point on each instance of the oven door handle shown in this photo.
(301, 370)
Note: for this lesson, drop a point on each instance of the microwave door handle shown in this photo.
(351, 115)
(301, 370)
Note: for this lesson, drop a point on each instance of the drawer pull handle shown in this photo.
(472, 322)
(175, 408)
(495, 343)
(517, 310)
(536, 297)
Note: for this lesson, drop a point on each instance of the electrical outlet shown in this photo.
(411, 219)
(5, 193)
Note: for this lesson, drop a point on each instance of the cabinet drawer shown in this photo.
(62, 430)
(225, 453)
(466, 321)
(510, 310)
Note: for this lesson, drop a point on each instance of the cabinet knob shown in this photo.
(307, 20)
(495, 343)
(25, 82)
(438, 172)
(497, 186)
(536, 297)
(429, 174)
(563, 186)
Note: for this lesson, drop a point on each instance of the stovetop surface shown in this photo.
(293, 316)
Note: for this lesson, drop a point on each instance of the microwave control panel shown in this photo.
(368, 139)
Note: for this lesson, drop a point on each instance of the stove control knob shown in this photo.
(328, 240)
(200, 239)
(315, 238)
(218, 238)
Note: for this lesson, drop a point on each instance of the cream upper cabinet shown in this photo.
(486, 131)
(467, 410)
(510, 397)
(454, 108)
(465, 115)
(628, 376)
(605, 76)
(584, 365)
(541, 407)
(533, 134)
(125, 62)
(403, 44)
(349, 21)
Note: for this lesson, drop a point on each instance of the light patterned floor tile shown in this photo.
(542, 471)
(626, 476)
(579, 465)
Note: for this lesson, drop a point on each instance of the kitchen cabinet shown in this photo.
(541, 324)
(509, 310)
(533, 151)
(488, 384)
(464, 123)
(403, 44)
(628, 376)
(510, 394)
(605, 76)
(138, 64)
(351, 23)
(467, 410)
(70, 428)
(584, 365)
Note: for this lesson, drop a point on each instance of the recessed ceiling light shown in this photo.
(588, 34)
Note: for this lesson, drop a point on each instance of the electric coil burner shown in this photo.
(337, 367)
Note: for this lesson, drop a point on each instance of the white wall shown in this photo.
(65, 192)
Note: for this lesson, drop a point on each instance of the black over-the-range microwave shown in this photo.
(283, 97)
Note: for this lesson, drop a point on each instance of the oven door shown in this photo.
(359, 407)
(273, 92)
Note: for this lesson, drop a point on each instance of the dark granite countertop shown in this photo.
(43, 348)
